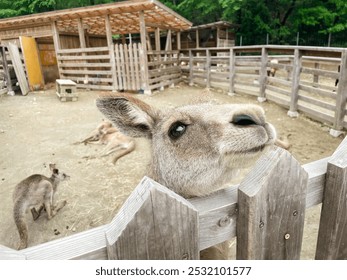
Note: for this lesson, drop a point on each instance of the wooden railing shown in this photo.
(163, 69)
(304, 80)
(266, 212)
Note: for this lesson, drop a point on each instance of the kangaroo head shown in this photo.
(56, 174)
(196, 148)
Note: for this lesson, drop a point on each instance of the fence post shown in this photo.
(332, 236)
(271, 201)
(154, 223)
(191, 83)
(111, 51)
(263, 75)
(232, 70)
(341, 98)
(208, 68)
(293, 110)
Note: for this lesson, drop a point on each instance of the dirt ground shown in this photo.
(38, 129)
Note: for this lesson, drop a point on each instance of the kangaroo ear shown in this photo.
(130, 115)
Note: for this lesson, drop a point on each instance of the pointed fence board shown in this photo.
(272, 200)
(154, 223)
(332, 236)
(18, 68)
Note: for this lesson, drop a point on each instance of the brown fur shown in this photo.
(35, 193)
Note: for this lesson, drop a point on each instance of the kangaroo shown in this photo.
(36, 193)
(197, 148)
(115, 141)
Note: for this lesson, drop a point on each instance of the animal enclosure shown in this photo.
(305, 78)
(266, 213)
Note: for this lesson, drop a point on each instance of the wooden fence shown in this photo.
(95, 68)
(266, 212)
(304, 81)
(164, 69)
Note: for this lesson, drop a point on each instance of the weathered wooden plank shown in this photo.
(143, 55)
(118, 67)
(316, 90)
(297, 65)
(162, 224)
(83, 50)
(271, 203)
(320, 72)
(132, 67)
(284, 102)
(111, 51)
(126, 64)
(278, 90)
(84, 57)
(263, 75)
(87, 71)
(90, 79)
(332, 236)
(6, 70)
(137, 66)
(97, 87)
(18, 68)
(90, 244)
(341, 99)
(85, 64)
(315, 114)
(317, 102)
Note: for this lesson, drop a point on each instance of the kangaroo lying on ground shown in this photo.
(198, 148)
(36, 193)
(115, 141)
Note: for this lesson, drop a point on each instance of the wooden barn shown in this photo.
(104, 47)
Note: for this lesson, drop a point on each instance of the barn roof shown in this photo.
(124, 18)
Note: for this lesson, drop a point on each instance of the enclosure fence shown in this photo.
(310, 80)
(265, 212)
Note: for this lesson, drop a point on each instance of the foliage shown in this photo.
(279, 19)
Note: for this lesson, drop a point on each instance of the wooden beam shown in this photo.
(341, 94)
(297, 65)
(143, 55)
(111, 52)
(332, 236)
(178, 38)
(157, 39)
(263, 75)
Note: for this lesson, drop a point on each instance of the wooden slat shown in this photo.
(137, 66)
(80, 72)
(317, 102)
(83, 50)
(315, 114)
(97, 87)
(297, 65)
(162, 224)
(332, 237)
(319, 91)
(18, 68)
(320, 72)
(89, 65)
(83, 57)
(272, 202)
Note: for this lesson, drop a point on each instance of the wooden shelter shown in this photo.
(211, 35)
(79, 43)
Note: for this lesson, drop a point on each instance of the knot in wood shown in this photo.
(286, 236)
(185, 256)
(295, 213)
(224, 221)
(261, 224)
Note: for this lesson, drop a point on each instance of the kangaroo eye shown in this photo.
(176, 130)
(243, 120)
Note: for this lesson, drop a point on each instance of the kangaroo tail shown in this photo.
(18, 214)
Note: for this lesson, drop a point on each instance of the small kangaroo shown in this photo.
(36, 193)
(116, 142)
(196, 149)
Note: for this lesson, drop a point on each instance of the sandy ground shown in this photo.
(38, 129)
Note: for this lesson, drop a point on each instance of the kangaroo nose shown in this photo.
(243, 120)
